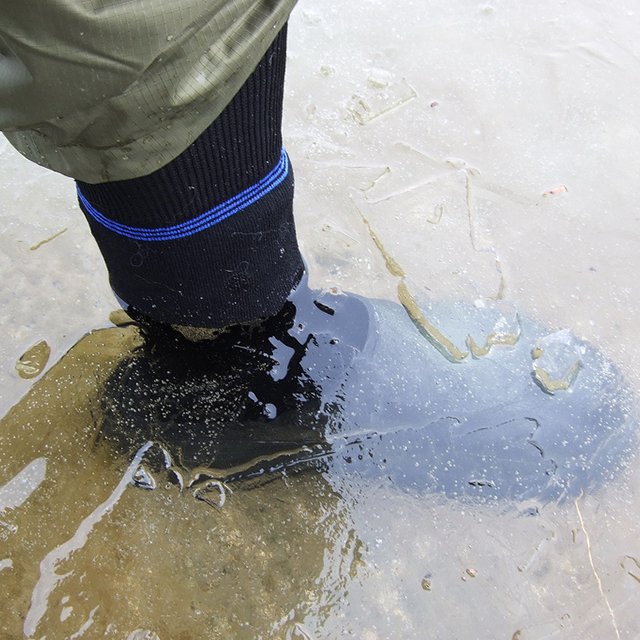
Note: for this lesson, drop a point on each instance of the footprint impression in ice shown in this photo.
(432, 397)
(335, 392)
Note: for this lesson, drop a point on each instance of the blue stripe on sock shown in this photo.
(205, 220)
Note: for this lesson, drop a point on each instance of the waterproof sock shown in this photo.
(209, 239)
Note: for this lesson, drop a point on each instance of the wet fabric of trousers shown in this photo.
(105, 90)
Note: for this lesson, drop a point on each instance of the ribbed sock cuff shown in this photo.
(209, 239)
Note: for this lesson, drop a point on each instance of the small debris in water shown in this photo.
(555, 191)
(213, 485)
(551, 385)
(556, 361)
(500, 336)
(481, 483)
(324, 308)
(32, 362)
(143, 479)
(472, 573)
(536, 353)
(426, 582)
(37, 245)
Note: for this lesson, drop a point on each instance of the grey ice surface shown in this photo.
(494, 147)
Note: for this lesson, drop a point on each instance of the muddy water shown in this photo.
(92, 554)
(493, 149)
(158, 488)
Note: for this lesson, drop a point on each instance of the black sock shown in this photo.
(209, 239)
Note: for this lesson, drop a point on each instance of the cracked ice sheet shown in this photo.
(533, 98)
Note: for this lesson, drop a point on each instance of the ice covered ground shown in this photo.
(494, 150)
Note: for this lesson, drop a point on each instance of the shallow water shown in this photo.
(129, 510)
(443, 125)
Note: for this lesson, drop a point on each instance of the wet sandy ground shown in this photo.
(495, 151)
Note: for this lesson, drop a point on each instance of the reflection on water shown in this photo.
(352, 387)
(304, 477)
